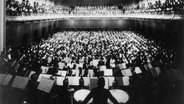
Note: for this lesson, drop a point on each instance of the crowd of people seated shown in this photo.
(96, 10)
(15, 8)
(168, 7)
(78, 50)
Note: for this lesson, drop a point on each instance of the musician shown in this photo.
(64, 93)
(32, 92)
(100, 95)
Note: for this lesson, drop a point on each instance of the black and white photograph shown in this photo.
(91, 51)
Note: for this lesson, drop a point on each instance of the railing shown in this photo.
(46, 16)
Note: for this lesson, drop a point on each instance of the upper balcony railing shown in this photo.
(128, 15)
(25, 13)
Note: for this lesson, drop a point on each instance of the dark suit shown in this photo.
(100, 96)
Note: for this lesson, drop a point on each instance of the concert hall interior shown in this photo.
(92, 52)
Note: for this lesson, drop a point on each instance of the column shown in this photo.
(2, 25)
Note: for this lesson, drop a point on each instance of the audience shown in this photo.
(15, 8)
(79, 49)
(168, 7)
(84, 51)
(96, 10)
